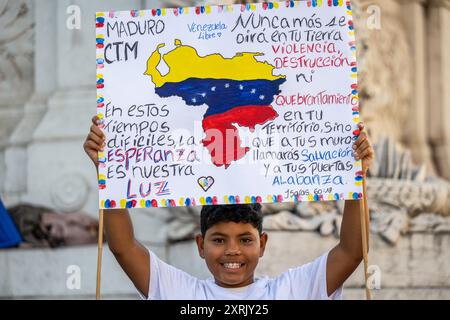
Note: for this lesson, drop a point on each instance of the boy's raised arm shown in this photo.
(347, 255)
(131, 255)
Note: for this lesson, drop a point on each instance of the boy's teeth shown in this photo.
(232, 265)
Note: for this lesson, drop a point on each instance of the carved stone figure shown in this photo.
(16, 51)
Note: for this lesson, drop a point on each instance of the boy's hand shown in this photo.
(362, 149)
(95, 141)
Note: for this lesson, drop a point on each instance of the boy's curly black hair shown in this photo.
(246, 213)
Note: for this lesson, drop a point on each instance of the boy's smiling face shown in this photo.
(231, 251)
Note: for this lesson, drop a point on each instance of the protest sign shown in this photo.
(228, 104)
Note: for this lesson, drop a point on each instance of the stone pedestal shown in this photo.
(43, 274)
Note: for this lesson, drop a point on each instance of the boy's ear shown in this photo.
(200, 245)
(262, 243)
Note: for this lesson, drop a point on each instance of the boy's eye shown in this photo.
(218, 240)
(246, 240)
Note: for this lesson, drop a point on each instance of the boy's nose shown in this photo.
(233, 250)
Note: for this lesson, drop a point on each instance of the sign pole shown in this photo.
(364, 217)
(99, 254)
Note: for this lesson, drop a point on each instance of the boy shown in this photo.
(231, 243)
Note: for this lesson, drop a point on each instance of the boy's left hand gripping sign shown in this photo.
(227, 104)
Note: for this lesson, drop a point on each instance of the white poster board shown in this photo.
(228, 104)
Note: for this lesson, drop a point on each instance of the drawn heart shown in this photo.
(219, 34)
(205, 182)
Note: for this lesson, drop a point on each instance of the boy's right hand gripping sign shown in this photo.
(228, 104)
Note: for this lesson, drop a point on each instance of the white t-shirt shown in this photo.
(301, 283)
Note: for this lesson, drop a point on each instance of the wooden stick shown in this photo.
(366, 208)
(99, 254)
(364, 214)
